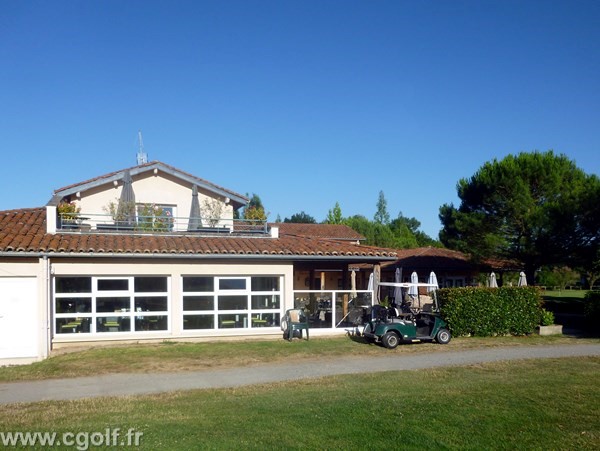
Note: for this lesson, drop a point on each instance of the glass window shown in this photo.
(262, 301)
(232, 297)
(151, 322)
(113, 324)
(233, 302)
(164, 217)
(113, 285)
(73, 284)
(198, 322)
(151, 304)
(155, 217)
(113, 304)
(73, 305)
(232, 284)
(116, 306)
(198, 303)
(150, 284)
(233, 321)
(265, 319)
(72, 325)
(201, 284)
(265, 283)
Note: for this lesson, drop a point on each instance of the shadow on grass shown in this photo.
(563, 304)
(569, 312)
(356, 337)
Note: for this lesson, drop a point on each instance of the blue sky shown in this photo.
(303, 102)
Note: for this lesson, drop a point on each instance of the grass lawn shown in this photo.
(532, 404)
(564, 294)
(171, 356)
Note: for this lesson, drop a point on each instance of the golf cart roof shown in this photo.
(407, 285)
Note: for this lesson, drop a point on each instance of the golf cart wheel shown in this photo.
(443, 336)
(390, 340)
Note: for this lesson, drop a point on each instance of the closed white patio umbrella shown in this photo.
(126, 207)
(432, 281)
(398, 290)
(353, 284)
(194, 220)
(522, 279)
(414, 278)
(492, 283)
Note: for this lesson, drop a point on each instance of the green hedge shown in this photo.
(486, 312)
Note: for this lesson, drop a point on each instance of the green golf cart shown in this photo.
(413, 320)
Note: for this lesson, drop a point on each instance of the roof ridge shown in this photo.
(149, 165)
(16, 210)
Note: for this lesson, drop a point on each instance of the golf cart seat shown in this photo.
(428, 308)
(406, 311)
(294, 320)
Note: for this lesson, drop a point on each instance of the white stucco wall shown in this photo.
(23, 304)
(149, 188)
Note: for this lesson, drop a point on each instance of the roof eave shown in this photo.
(236, 199)
(40, 254)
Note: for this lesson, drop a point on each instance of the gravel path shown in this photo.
(138, 384)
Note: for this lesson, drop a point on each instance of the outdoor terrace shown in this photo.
(333, 309)
(153, 224)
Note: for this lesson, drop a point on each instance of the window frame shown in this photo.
(247, 318)
(90, 323)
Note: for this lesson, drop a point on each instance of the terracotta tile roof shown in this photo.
(427, 258)
(496, 264)
(24, 231)
(329, 231)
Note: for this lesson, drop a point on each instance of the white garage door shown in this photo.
(19, 318)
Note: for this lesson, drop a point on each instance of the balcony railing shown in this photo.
(103, 223)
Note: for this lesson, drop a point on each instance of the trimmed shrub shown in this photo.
(486, 312)
(547, 318)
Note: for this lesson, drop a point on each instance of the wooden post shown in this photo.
(345, 304)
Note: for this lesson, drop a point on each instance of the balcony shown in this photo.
(151, 225)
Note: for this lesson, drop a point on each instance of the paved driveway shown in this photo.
(139, 384)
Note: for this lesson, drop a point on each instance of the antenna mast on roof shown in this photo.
(142, 158)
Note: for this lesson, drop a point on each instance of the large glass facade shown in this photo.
(229, 302)
(99, 305)
(334, 309)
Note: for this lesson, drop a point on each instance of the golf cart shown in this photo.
(413, 320)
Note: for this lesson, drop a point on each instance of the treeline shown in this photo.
(399, 233)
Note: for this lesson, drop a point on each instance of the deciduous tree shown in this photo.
(255, 209)
(334, 216)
